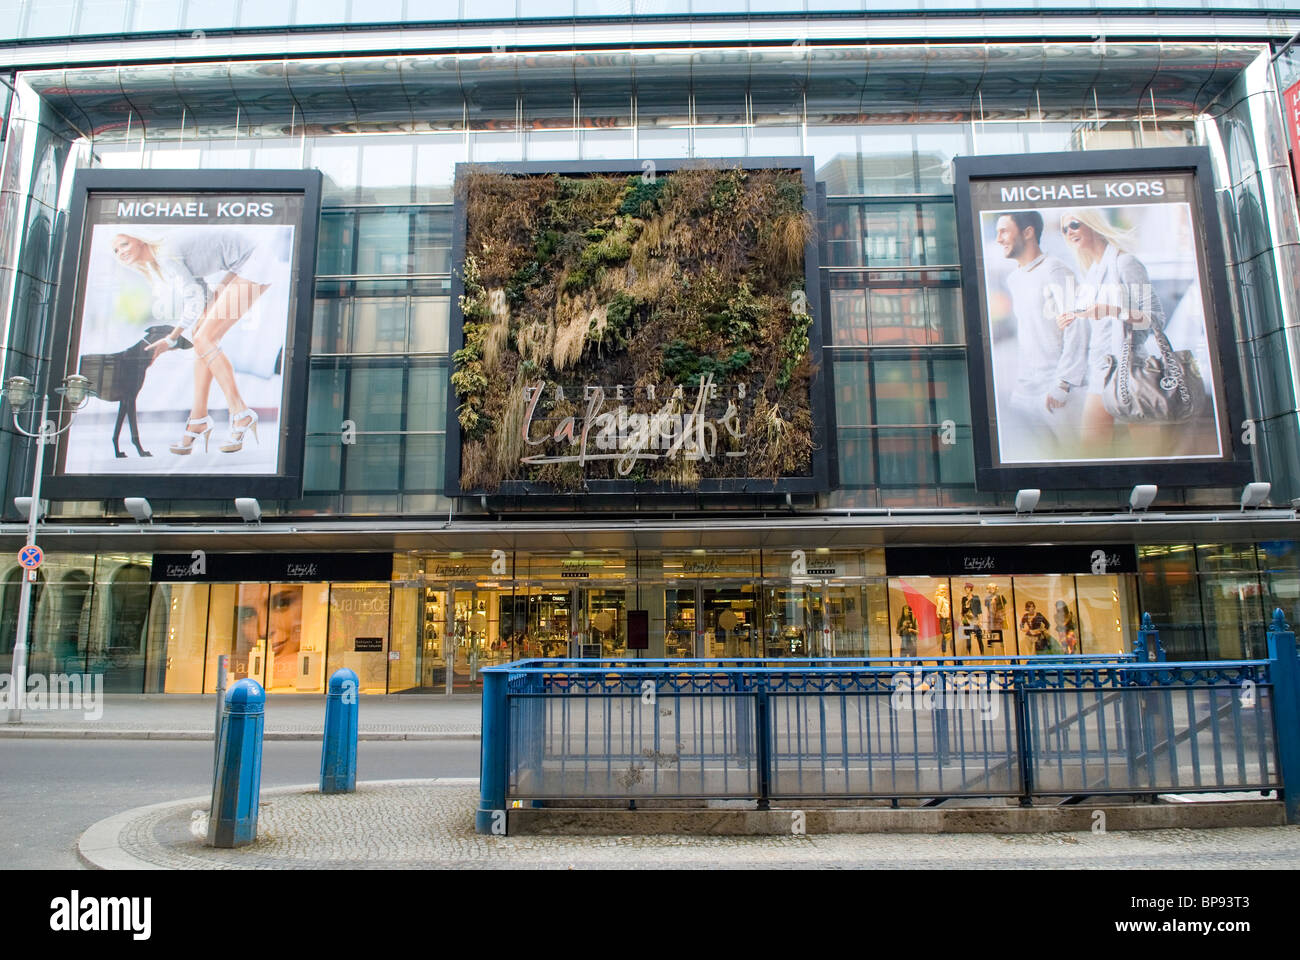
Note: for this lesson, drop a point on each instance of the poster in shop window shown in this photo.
(1101, 350)
(185, 299)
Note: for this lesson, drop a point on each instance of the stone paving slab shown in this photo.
(421, 824)
(288, 717)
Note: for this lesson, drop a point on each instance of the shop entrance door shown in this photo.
(476, 639)
(729, 620)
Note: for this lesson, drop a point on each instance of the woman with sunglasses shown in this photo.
(1114, 299)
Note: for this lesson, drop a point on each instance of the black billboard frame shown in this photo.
(819, 397)
(1239, 468)
(288, 482)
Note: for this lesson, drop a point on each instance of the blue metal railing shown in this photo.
(1019, 727)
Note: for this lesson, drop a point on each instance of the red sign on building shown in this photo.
(1291, 107)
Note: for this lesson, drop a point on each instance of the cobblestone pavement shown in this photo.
(287, 716)
(429, 823)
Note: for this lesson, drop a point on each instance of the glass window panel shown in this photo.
(946, 323)
(921, 617)
(719, 142)
(890, 234)
(375, 402)
(906, 458)
(334, 247)
(1105, 613)
(376, 11)
(552, 145)
(325, 392)
(836, 158)
(852, 393)
(322, 11)
(373, 463)
(848, 304)
(426, 402)
(101, 16)
(777, 141)
(938, 244)
(607, 144)
(898, 316)
(147, 15)
(424, 463)
(339, 165)
(902, 390)
(386, 172)
(957, 459)
(49, 18)
(322, 463)
(429, 318)
(330, 325)
(358, 633)
(951, 389)
(496, 147)
(1170, 593)
(266, 13)
(436, 156)
(432, 241)
(1047, 616)
(236, 628)
(664, 142)
(857, 462)
(1233, 607)
(888, 163)
(383, 242)
(378, 325)
(935, 149)
(297, 620)
(843, 235)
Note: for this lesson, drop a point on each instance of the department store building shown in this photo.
(380, 564)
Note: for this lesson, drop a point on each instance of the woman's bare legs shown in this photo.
(231, 303)
(1098, 428)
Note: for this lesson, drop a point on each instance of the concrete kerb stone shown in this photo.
(100, 848)
(550, 821)
(78, 733)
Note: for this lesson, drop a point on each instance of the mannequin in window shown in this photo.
(906, 632)
(943, 610)
(971, 615)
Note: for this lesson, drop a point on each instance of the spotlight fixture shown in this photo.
(1143, 495)
(1254, 494)
(1027, 500)
(249, 509)
(24, 505)
(139, 508)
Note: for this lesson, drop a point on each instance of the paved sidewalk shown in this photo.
(420, 824)
(288, 717)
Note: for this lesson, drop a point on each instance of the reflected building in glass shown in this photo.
(866, 568)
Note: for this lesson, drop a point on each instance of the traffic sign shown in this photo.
(30, 556)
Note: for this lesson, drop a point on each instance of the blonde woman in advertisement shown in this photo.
(175, 267)
(1115, 295)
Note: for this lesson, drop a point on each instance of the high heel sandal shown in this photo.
(237, 434)
(186, 446)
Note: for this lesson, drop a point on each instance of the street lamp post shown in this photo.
(18, 391)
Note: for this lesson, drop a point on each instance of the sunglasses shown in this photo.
(1072, 225)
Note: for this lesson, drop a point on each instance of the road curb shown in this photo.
(77, 733)
(98, 847)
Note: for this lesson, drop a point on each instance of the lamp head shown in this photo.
(76, 389)
(18, 390)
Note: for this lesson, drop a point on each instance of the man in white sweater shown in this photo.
(1051, 363)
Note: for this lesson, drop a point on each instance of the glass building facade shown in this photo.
(244, 86)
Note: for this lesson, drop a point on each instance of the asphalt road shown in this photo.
(52, 790)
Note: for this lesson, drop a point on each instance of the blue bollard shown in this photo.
(338, 756)
(490, 818)
(1284, 671)
(233, 820)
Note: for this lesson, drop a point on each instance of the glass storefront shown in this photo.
(444, 616)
